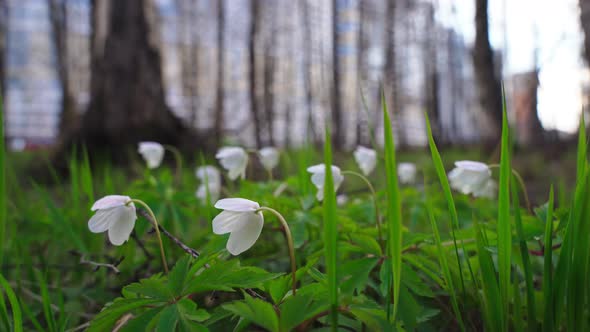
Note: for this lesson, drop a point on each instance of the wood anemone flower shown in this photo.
(242, 219)
(406, 172)
(472, 177)
(269, 158)
(318, 175)
(366, 159)
(210, 181)
(115, 214)
(152, 153)
(234, 160)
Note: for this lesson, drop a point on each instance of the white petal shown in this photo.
(475, 166)
(110, 201)
(122, 226)
(214, 191)
(318, 179)
(228, 221)
(209, 174)
(101, 220)
(406, 172)
(317, 168)
(269, 157)
(320, 194)
(237, 204)
(152, 153)
(366, 159)
(244, 238)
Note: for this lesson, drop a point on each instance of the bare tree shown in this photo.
(391, 73)
(58, 17)
(188, 46)
(307, 76)
(253, 44)
(269, 90)
(488, 82)
(337, 119)
(219, 104)
(3, 44)
(431, 75)
(127, 100)
(585, 23)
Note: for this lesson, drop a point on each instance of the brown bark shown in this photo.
(488, 81)
(127, 102)
(269, 95)
(337, 120)
(253, 44)
(58, 18)
(307, 51)
(390, 68)
(187, 18)
(431, 77)
(219, 100)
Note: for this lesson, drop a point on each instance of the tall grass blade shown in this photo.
(394, 209)
(504, 220)
(562, 270)
(548, 267)
(330, 232)
(444, 182)
(3, 204)
(491, 293)
(442, 258)
(17, 320)
(526, 261)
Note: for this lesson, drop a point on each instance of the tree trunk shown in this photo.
(488, 82)
(220, 93)
(188, 55)
(269, 72)
(585, 23)
(127, 98)
(253, 44)
(3, 42)
(431, 76)
(307, 77)
(390, 68)
(58, 18)
(337, 119)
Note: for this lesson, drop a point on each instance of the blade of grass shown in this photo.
(330, 232)
(491, 292)
(442, 258)
(526, 262)
(444, 182)
(394, 209)
(46, 301)
(17, 319)
(504, 220)
(547, 267)
(3, 204)
(562, 270)
(86, 177)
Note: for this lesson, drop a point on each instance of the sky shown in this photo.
(518, 26)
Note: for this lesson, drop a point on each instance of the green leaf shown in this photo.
(257, 311)
(168, 319)
(144, 321)
(491, 294)
(291, 311)
(394, 209)
(105, 320)
(354, 275)
(179, 275)
(152, 287)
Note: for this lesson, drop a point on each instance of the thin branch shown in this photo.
(98, 265)
(187, 249)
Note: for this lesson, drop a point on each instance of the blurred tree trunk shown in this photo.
(488, 82)
(188, 55)
(307, 73)
(253, 44)
(269, 72)
(58, 18)
(3, 45)
(127, 98)
(220, 93)
(362, 70)
(391, 85)
(585, 23)
(337, 118)
(431, 77)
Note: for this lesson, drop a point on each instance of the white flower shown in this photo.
(366, 159)
(406, 172)
(210, 178)
(269, 157)
(319, 175)
(472, 177)
(234, 160)
(152, 153)
(116, 214)
(240, 219)
(341, 200)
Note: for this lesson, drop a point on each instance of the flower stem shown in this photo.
(375, 205)
(289, 243)
(270, 175)
(177, 158)
(522, 185)
(156, 226)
